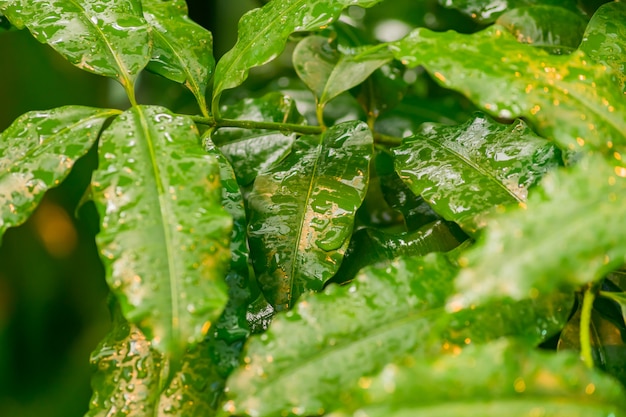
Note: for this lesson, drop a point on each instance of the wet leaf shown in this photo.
(129, 376)
(605, 39)
(182, 50)
(37, 152)
(464, 171)
(487, 11)
(555, 29)
(99, 36)
(164, 234)
(263, 34)
(516, 256)
(334, 338)
(328, 72)
(302, 211)
(501, 378)
(252, 151)
(568, 98)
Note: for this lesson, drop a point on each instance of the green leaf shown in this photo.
(605, 39)
(128, 377)
(334, 338)
(263, 34)
(568, 98)
(164, 234)
(369, 246)
(252, 151)
(302, 211)
(555, 29)
(328, 72)
(515, 256)
(487, 11)
(182, 50)
(619, 298)
(464, 171)
(501, 378)
(38, 151)
(99, 36)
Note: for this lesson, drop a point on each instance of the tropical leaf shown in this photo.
(251, 151)
(466, 170)
(99, 36)
(302, 211)
(129, 378)
(182, 50)
(263, 34)
(334, 338)
(487, 11)
(38, 151)
(328, 72)
(500, 378)
(566, 98)
(605, 39)
(553, 28)
(164, 235)
(515, 257)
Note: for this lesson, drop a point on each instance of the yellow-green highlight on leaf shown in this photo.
(569, 99)
(301, 211)
(331, 340)
(263, 34)
(571, 233)
(164, 236)
(605, 39)
(37, 152)
(182, 50)
(502, 378)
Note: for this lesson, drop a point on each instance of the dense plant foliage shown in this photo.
(428, 225)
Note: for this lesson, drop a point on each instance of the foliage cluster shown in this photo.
(440, 213)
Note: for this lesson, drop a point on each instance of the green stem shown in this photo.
(386, 140)
(585, 326)
(319, 112)
(289, 127)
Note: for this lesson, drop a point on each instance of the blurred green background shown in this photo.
(53, 294)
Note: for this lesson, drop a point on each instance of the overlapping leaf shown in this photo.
(251, 151)
(501, 378)
(566, 98)
(328, 72)
(487, 11)
(182, 50)
(552, 28)
(332, 339)
(263, 34)
(463, 171)
(164, 235)
(99, 36)
(302, 211)
(581, 207)
(605, 38)
(38, 151)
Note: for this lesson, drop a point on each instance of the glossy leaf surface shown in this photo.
(568, 99)
(302, 211)
(99, 36)
(605, 38)
(466, 170)
(328, 72)
(263, 34)
(251, 151)
(501, 378)
(38, 151)
(515, 257)
(487, 11)
(164, 235)
(182, 50)
(334, 338)
(552, 28)
(128, 378)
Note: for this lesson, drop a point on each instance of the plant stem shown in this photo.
(585, 326)
(289, 127)
(387, 140)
